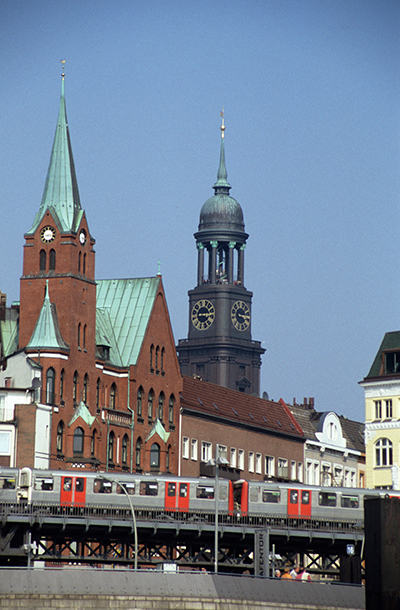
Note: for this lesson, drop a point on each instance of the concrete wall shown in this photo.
(82, 589)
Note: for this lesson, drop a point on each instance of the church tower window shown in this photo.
(42, 260)
(75, 387)
(113, 396)
(52, 260)
(60, 437)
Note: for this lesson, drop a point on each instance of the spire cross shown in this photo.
(62, 61)
(223, 123)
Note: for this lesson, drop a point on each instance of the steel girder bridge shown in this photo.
(99, 536)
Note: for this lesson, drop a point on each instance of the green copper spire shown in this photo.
(47, 332)
(61, 188)
(222, 186)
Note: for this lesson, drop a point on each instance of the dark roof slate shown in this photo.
(238, 408)
(391, 341)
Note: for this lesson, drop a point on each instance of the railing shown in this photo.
(39, 512)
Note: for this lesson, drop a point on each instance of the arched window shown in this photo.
(52, 260)
(155, 456)
(171, 409)
(161, 406)
(139, 401)
(98, 393)
(384, 452)
(85, 388)
(157, 359)
(93, 443)
(75, 386)
(162, 361)
(151, 358)
(79, 334)
(138, 453)
(60, 437)
(84, 264)
(84, 336)
(62, 383)
(42, 260)
(124, 456)
(78, 440)
(113, 396)
(79, 262)
(150, 400)
(111, 444)
(50, 386)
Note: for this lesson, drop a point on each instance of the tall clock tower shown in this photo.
(219, 347)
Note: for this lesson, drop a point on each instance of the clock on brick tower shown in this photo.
(219, 348)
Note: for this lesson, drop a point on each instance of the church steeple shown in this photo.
(219, 347)
(61, 193)
(222, 186)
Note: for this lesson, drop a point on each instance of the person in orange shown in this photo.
(286, 573)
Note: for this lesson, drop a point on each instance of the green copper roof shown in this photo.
(123, 313)
(47, 331)
(221, 211)
(61, 188)
(391, 341)
(83, 412)
(159, 429)
(9, 332)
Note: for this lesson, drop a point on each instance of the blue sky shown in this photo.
(311, 96)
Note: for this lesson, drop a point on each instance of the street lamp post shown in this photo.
(133, 515)
(219, 461)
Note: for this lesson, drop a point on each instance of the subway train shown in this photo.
(249, 501)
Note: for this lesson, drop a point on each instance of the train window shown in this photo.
(349, 502)
(254, 494)
(327, 499)
(129, 488)
(293, 496)
(7, 483)
(204, 491)
(223, 492)
(79, 484)
(102, 487)
(148, 489)
(43, 484)
(171, 490)
(67, 484)
(183, 490)
(305, 497)
(272, 497)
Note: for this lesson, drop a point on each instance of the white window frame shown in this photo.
(233, 457)
(222, 451)
(194, 449)
(251, 461)
(300, 472)
(185, 447)
(258, 463)
(293, 470)
(206, 451)
(269, 465)
(241, 459)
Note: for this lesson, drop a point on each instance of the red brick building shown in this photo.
(109, 375)
(259, 438)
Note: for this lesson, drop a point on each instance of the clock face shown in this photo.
(47, 234)
(203, 314)
(240, 315)
(82, 237)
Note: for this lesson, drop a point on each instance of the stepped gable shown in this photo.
(238, 408)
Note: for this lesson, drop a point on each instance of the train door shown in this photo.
(299, 503)
(177, 496)
(240, 497)
(73, 491)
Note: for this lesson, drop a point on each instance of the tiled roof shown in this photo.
(125, 308)
(238, 408)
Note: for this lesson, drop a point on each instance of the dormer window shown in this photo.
(392, 363)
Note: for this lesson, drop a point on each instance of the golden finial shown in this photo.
(223, 124)
(62, 61)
